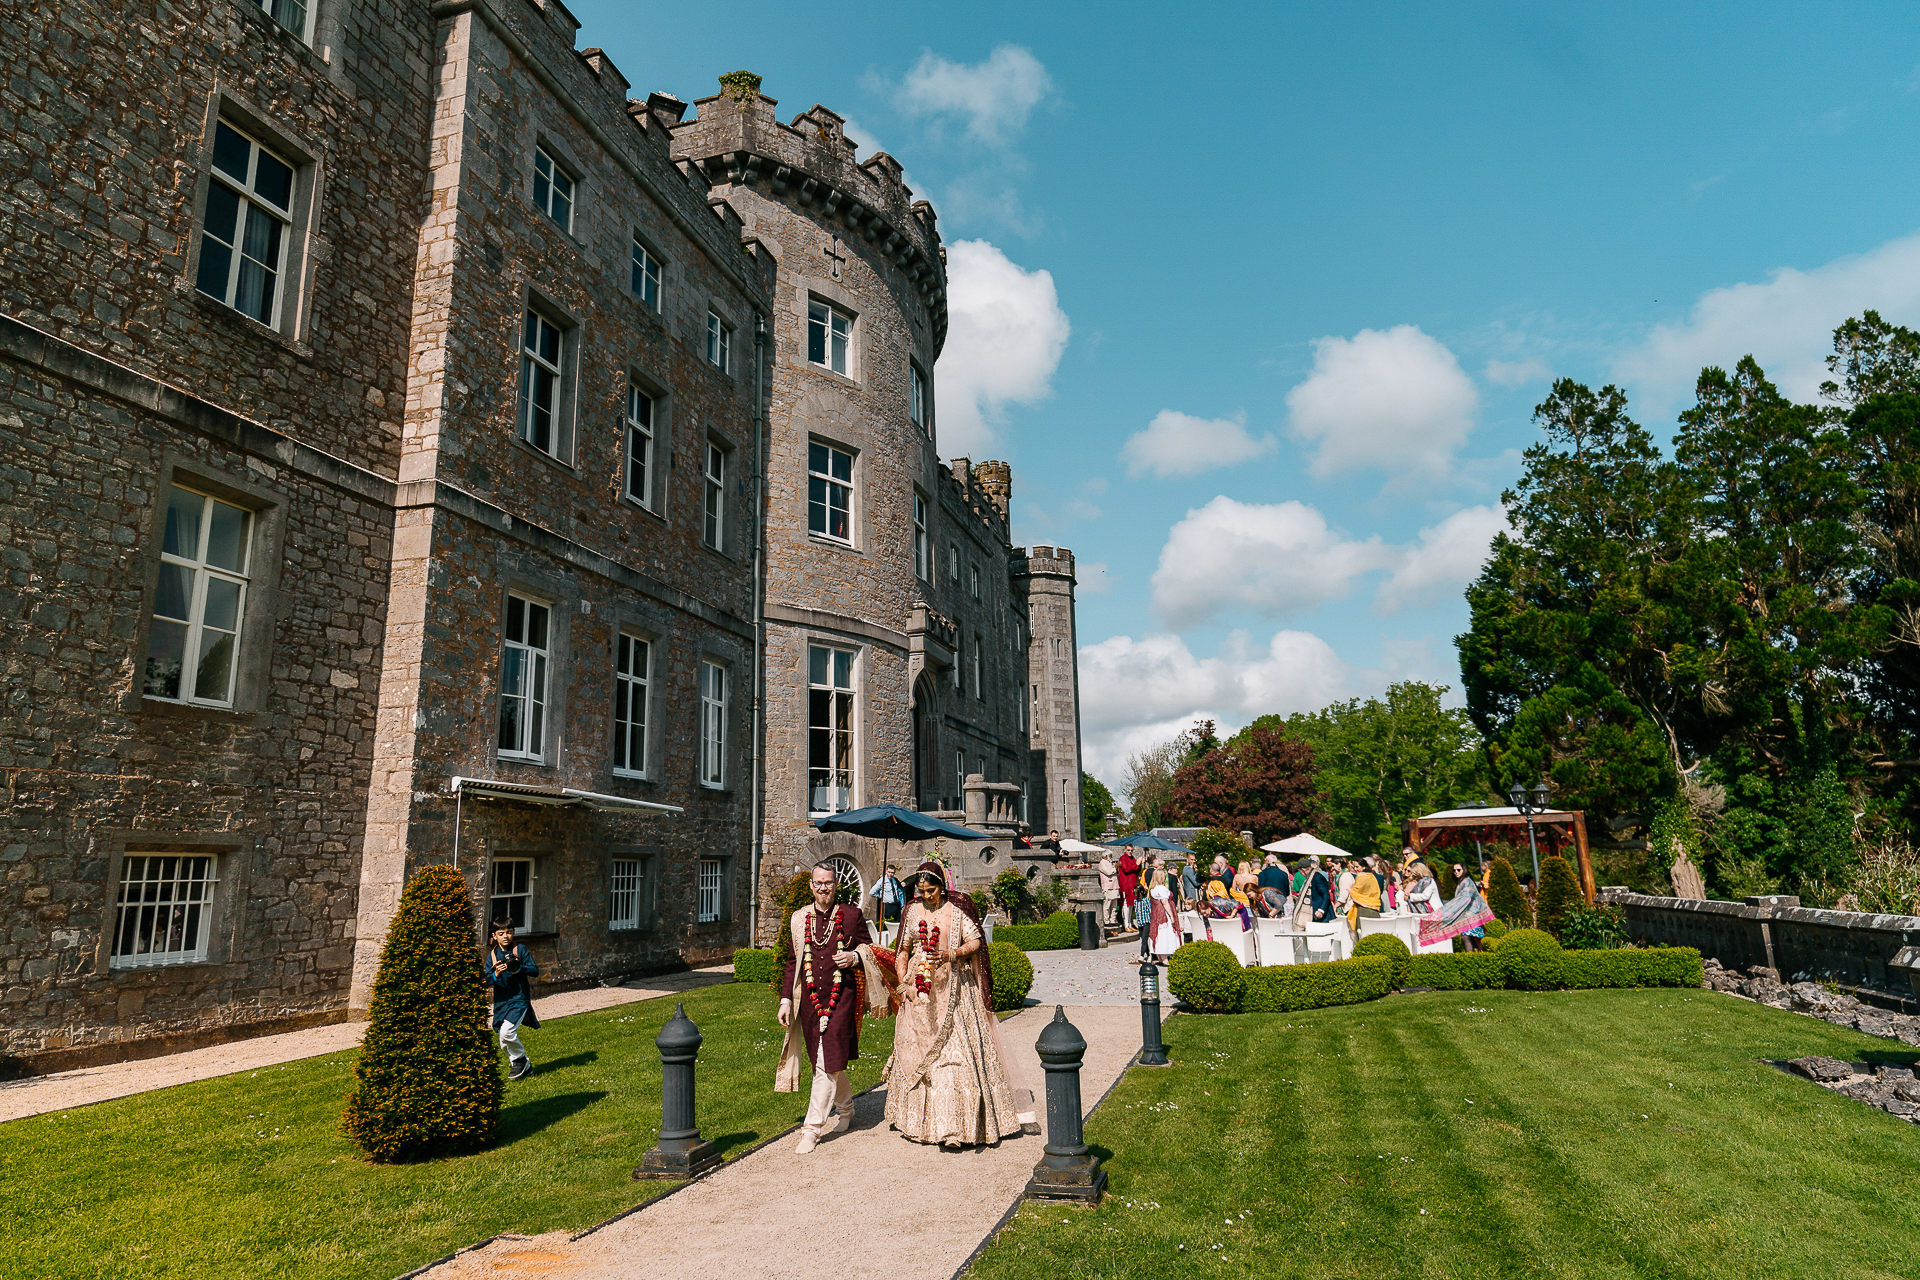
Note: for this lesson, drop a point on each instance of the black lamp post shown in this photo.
(1153, 1053)
(1528, 806)
(680, 1153)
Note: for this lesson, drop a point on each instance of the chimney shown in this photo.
(996, 481)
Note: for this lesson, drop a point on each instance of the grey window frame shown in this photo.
(834, 337)
(922, 540)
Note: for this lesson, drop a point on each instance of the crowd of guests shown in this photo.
(1148, 894)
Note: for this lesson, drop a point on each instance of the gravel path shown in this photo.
(38, 1094)
(1108, 976)
(866, 1203)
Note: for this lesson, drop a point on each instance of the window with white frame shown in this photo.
(524, 658)
(829, 492)
(247, 227)
(646, 275)
(200, 600)
(828, 329)
(714, 501)
(1036, 708)
(713, 725)
(626, 893)
(1020, 706)
(553, 189)
(632, 671)
(540, 383)
(639, 446)
(163, 912)
(291, 14)
(512, 896)
(974, 584)
(959, 658)
(719, 343)
(977, 645)
(922, 399)
(711, 883)
(953, 563)
(922, 552)
(959, 772)
(830, 727)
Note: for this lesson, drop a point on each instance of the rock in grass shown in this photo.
(1822, 1070)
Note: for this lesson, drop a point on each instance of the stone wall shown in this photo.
(1799, 943)
(1053, 664)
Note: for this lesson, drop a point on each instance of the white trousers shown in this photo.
(830, 1090)
(510, 1041)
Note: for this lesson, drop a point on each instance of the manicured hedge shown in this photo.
(754, 964)
(1530, 960)
(1207, 976)
(1282, 988)
(1058, 932)
(1388, 948)
(1012, 975)
(1632, 967)
(1460, 971)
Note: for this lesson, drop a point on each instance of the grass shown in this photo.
(1485, 1134)
(247, 1176)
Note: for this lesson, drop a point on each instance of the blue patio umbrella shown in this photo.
(1148, 840)
(888, 822)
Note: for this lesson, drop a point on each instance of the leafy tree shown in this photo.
(1218, 840)
(1096, 802)
(427, 1078)
(1559, 890)
(1262, 782)
(1506, 897)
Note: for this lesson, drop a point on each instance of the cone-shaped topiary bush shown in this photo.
(1388, 948)
(427, 1081)
(1559, 890)
(1506, 897)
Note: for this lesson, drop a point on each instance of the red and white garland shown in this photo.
(837, 933)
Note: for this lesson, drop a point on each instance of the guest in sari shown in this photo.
(1464, 915)
(1363, 899)
(947, 1081)
(1224, 905)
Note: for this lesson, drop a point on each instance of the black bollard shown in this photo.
(679, 1153)
(1152, 1052)
(1067, 1171)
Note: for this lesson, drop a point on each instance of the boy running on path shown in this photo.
(509, 965)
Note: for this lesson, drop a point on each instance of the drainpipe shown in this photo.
(759, 619)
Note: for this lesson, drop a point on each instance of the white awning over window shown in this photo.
(558, 797)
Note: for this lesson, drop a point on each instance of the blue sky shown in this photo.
(1258, 300)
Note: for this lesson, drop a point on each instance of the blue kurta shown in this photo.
(512, 993)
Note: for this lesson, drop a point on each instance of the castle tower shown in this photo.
(1045, 577)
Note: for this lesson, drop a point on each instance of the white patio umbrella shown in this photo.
(1069, 845)
(1304, 845)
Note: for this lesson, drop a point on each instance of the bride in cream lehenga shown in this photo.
(948, 1081)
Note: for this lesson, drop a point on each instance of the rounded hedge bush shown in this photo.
(426, 1082)
(1495, 930)
(1389, 948)
(1012, 976)
(1207, 976)
(1530, 960)
(754, 964)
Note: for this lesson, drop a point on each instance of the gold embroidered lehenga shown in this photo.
(947, 1082)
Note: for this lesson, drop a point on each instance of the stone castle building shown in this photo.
(416, 449)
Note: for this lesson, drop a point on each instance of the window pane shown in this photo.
(223, 604)
(227, 537)
(273, 180)
(513, 672)
(166, 655)
(509, 724)
(216, 665)
(216, 264)
(174, 596)
(230, 152)
(817, 333)
(537, 626)
(842, 465)
(516, 618)
(839, 364)
(816, 505)
(562, 206)
(842, 669)
(817, 457)
(817, 666)
(549, 343)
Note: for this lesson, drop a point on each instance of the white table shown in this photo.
(1404, 927)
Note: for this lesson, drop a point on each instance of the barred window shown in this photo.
(829, 492)
(553, 190)
(710, 885)
(624, 894)
(632, 668)
(646, 276)
(830, 729)
(200, 600)
(512, 897)
(164, 909)
(244, 235)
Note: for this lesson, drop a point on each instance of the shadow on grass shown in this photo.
(727, 1142)
(1890, 1057)
(571, 1060)
(1103, 1154)
(527, 1118)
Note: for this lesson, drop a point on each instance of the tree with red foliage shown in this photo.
(1261, 781)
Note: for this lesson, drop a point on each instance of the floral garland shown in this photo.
(839, 938)
(923, 964)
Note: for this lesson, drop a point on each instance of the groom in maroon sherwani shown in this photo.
(821, 990)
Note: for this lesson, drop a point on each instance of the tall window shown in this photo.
(827, 333)
(1036, 709)
(975, 580)
(829, 492)
(829, 730)
(164, 910)
(553, 190)
(512, 897)
(1020, 705)
(523, 679)
(243, 241)
(953, 563)
(640, 446)
(646, 276)
(959, 658)
(632, 668)
(719, 343)
(200, 601)
(710, 883)
(540, 383)
(713, 725)
(977, 644)
(715, 504)
(959, 772)
(625, 894)
(291, 14)
(922, 552)
(921, 399)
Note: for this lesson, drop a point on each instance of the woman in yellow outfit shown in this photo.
(1365, 896)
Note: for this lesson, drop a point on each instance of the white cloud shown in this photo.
(1271, 559)
(1006, 333)
(993, 97)
(1444, 558)
(1135, 693)
(1278, 559)
(1786, 324)
(1516, 373)
(1396, 400)
(1179, 444)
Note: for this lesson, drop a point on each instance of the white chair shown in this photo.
(1277, 943)
(1193, 927)
(1235, 938)
(1328, 939)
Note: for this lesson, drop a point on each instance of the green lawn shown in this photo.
(247, 1176)
(1589, 1133)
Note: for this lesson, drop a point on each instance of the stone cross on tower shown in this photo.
(836, 257)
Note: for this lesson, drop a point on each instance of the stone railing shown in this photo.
(993, 804)
(1798, 943)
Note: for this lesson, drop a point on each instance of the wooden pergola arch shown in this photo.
(1425, 832)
